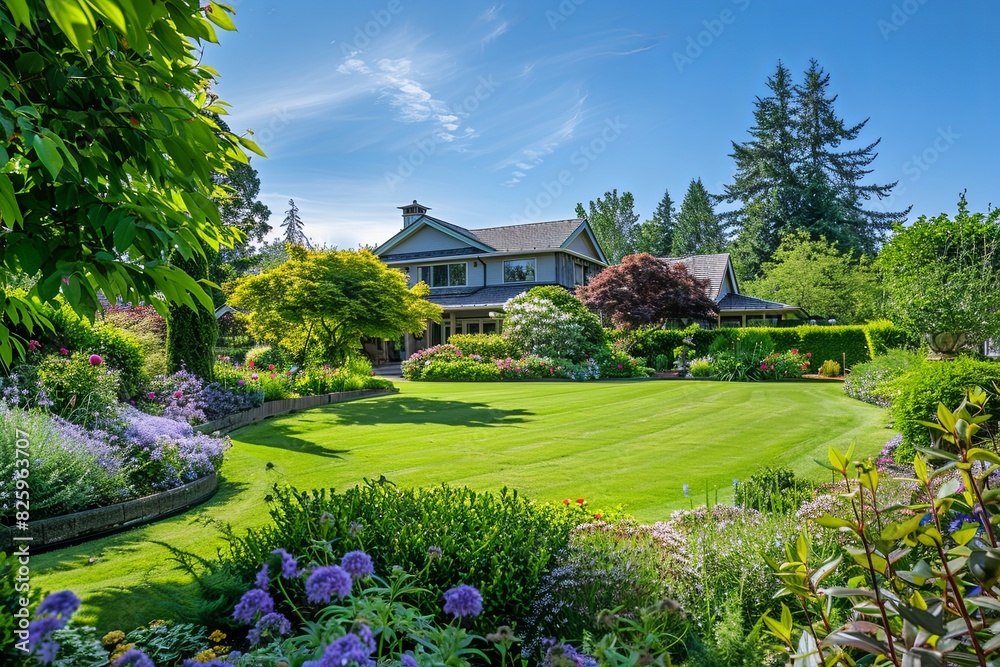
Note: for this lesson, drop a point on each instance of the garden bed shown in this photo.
(63, 530)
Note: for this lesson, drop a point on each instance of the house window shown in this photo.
(578, 274)
(444, 275)
(519, 271)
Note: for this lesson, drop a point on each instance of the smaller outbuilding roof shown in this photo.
(705, 267)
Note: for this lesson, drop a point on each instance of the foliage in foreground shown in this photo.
(133, 179)
(927, 592)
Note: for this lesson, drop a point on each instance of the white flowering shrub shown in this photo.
(534, 325)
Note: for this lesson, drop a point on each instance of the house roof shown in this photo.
(529, 236)
(451, 252)
(477, 297)
(733, 301)
(705, 267)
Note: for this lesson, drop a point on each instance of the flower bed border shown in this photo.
(60, 531)
(283, 406)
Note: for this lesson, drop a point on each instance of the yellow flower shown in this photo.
(113, 637)
(205, 656)
(217, 636)
(153, 624)
(120, 650)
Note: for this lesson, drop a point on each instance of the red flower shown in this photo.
(566, 501)
(598, 515)
(270, 367)
(250, 364)
(794, 351)
(580, 501)
(809, 355)
(178, 394)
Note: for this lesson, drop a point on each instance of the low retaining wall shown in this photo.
(59, 530)
(280, 407)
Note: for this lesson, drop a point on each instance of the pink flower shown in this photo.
(33, 345)
(809, 355)
(151, 396)
(95, 360)
(274, 375)
(254, 376)
(794, 351)
(63, 351)
(763, 365)
(241, 382)
(178, 394)
(619, 366)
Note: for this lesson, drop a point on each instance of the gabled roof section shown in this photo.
(734, 301)
(585, 229)
(460, 233)
(529, 236)
(712, 268)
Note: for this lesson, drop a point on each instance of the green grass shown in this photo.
(630, 443)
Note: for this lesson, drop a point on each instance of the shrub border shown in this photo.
(283, 406)
(60, 531)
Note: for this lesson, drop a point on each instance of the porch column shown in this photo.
(451, 319)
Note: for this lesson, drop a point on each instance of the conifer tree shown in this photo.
(698, 230)
(656, 235)
(294, 234)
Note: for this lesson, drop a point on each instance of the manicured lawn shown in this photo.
(630, 443)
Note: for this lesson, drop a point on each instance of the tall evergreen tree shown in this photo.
(656, 235)
(833, 194)
(794, 174)
(613, 221)
(191, 332)
(698, 230)
(765, 185)
(294, 234)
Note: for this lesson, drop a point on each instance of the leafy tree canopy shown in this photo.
(818, 277)
(942, 274)
(328, 300)
(644, 291)
(110, 153)
(613, 221)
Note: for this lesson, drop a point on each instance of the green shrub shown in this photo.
(871, 381)
(462, 370)
(264, 356)
(414, 366)
(882, 336)
(614, 362)
(830, 369)
(846, 343)
(652, 343)
(701, 368)
(772, 490)
(80, 391)
(918, 393)
(123, 352)
(499, 543)
(662, 363)
(488, 346)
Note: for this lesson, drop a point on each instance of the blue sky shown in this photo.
(493, 113)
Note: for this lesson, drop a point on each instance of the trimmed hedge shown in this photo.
(488, 346)
(917, 394)
(824, 342)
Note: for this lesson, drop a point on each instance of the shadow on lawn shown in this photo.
(414, 410)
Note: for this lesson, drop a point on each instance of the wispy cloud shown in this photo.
(499, 30)
(536, 149)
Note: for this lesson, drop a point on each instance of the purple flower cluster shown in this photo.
(351, 649)
(52, 614)
(289, 567)
(463, 601)
(272, 624)
(263, 578)
(358, 564)
(253, 601)
(180, 396)
(327, 581)
(135, 658)
(560, 654)
(217, 402)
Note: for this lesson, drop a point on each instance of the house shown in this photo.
(735, 309)
(472, 273)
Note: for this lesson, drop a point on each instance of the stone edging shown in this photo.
(280, 407)
(57, 531)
